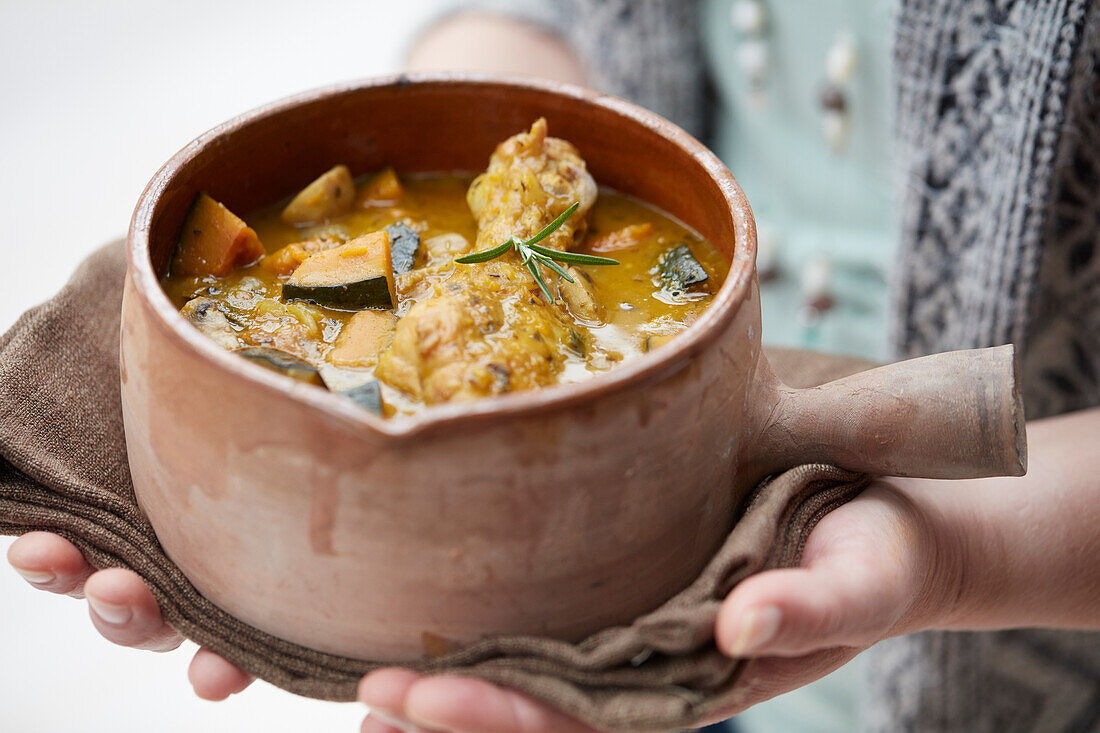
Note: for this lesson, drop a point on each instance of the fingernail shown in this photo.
(398, 723)
(758, 627)
(38, 577)
(111, 613)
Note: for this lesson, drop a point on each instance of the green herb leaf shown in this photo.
(573, 258)
(534, 270)
(489, 254)
(552, 226)
(558, 269)
(534, 257)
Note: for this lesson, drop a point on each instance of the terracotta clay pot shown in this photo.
(554, 512)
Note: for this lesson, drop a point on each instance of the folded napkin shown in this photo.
(63, 469)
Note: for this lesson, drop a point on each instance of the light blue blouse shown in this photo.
(825, 215)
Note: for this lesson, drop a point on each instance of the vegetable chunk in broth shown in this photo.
(402, 292)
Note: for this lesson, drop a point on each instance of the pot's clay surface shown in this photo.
(554, 512)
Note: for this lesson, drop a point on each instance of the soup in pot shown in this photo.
(402, 292)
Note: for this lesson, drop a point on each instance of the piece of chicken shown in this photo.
(488, 329)
(531, 179)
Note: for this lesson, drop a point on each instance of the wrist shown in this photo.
(939, 558)
(1014, 552)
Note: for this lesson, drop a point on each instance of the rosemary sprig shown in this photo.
(535, 256)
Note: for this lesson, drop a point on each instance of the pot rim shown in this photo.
(639, 372)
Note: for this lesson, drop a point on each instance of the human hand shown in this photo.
(903, 556)
(121, 607)
(873, 568)
(876, 567)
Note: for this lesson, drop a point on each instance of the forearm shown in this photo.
(1019, 552)
(477, 41)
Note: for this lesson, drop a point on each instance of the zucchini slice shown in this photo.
(404, 243)
(283, 363)
(656, 340)
(353, 276)
(367, 395)
(361, 389)
(331, 194)
(679, 269)
(214, 241)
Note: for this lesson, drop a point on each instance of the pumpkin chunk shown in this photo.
(332, 194)
(361, 340)
(214, 241)
(353, 276)
(384, 188)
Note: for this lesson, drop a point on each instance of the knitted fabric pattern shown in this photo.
(999, 146)
(1063, 330)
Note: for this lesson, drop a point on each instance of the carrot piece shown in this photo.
(214, 241)
(284, 261)
(624, 238)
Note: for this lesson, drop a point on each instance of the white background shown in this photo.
(94, 97)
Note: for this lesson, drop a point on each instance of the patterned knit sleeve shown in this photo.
(999, 143)
(647, 51)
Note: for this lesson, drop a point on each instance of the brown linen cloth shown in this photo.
(63, 469)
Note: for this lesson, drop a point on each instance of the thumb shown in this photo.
(841, 601)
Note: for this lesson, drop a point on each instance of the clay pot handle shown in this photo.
(951, 415)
